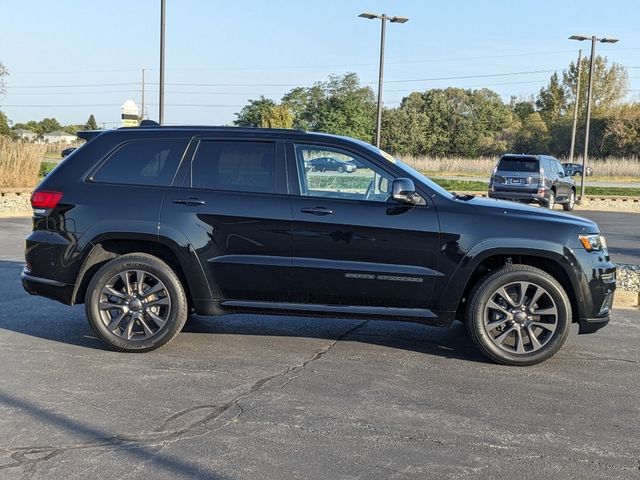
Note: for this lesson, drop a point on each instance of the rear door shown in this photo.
(232, 207)
(351, 245)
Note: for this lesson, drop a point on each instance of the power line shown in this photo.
(488, 75)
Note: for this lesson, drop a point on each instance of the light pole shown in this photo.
(384, 18)
(161, 89)
(594, 39)
(575, 109)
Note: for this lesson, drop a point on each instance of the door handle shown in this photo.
(193, 202)
(317, 211)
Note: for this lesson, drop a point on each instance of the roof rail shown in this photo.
(149, 123)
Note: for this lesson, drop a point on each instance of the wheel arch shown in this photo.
(109, 246)
(551, 258)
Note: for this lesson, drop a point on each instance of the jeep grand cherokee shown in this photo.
(147, 225)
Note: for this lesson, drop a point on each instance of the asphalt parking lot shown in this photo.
(267, 397)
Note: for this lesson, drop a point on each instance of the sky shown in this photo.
(71, 58)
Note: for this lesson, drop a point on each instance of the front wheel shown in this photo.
(567, 207)
(518, 315)
(136, 303)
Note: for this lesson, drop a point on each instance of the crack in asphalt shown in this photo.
(28, 457)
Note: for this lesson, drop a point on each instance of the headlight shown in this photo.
(593, 242)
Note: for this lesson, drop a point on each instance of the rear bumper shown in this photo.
(46, 287)
(521, 196)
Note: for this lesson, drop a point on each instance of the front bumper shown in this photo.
(597, 283)
(591, 325)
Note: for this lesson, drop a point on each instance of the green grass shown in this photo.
(473, 186)
(46, 167)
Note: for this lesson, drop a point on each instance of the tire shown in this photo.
(504, 341)
(139, 320)
(567, 207)
(551, 202)
(340, 170)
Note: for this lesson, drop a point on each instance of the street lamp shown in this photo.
(161, 89)
(594, 39)
(384, 18)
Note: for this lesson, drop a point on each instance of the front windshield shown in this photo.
(415, 174)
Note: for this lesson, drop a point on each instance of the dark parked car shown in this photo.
(323, 164)
(146, 225)
(575, 169)
(67, 151)
(532, 179)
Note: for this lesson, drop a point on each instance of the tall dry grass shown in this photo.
(618, 168)
(20, 163)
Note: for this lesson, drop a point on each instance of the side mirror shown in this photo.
(403, 191)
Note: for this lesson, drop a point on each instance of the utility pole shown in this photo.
(162, 24)
(575, 109)
(142, 103)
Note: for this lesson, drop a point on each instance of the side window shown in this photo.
(334, 173)
(143, 162)
(235, 165)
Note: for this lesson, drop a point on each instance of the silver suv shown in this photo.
(532, 179)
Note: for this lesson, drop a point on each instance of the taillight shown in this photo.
(45, 199)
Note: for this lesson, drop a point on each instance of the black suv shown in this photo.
(532, 179)
(147, 225)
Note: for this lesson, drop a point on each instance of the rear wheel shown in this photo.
(567, 207)
(136, 303)
(551, 202)
(518, 315)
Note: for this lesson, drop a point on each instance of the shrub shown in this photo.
(20, 163)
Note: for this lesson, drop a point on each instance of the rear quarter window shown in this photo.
(142, 162)
(512, 164)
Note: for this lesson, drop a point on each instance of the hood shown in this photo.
(523, 211)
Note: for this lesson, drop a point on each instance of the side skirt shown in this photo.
(417, 315)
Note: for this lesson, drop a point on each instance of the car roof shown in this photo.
(196, 130)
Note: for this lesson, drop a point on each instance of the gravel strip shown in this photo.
(628, 277)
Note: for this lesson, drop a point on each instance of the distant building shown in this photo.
(59, 137)
(24, 134)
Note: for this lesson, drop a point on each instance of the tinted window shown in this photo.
(334, 173)
(145, 162)
(518, 164)
(236, 166)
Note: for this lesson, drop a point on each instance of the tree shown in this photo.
(533, 136)
(3, 73)
(552, 100)
(340, 105)
(91, 123)
(610, 85)
(4, 124)
(278, 116)
(450, 121)
(251, 115)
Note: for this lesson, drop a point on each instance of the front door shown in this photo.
(352, 246)
(233, 209)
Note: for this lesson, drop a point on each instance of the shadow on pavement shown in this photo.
(49, 320)
(143, 447)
